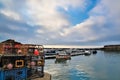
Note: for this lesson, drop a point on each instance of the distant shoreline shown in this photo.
(70, 46)
(112, 47)
(105, 47)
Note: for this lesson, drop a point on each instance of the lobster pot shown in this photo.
(40, 70)
(12, 62)
(40, 66)
(9, 48)
(15, 74)
(13, 67)
(36, 68)
(24, 49)
(35, 72)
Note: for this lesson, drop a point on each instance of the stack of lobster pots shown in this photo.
(21, 61)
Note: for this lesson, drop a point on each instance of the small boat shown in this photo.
(87, 53)
(94, 51)
(76, 52)
(63, 55)
(50, 52)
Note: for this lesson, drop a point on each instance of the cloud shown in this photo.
(101, 26)
(10, 14)
(45, 12)
(61, 21)
(109, 31)
(14, 29)
(85, 31)
(110, 11)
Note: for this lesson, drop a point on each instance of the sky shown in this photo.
(61, 22)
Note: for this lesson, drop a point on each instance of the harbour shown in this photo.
(101, 66)
(52, 53)
(59, 40)
(34, 62)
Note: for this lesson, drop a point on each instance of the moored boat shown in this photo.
(87, 53)
(63, 55)
(94, 52)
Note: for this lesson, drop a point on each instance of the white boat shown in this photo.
(87, 53)
(76, 52)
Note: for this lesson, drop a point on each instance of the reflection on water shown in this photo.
(60, 61)
(102, 66)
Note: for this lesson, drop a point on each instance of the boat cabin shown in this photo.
(63, 55)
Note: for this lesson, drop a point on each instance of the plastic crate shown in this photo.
(15, 74)
(1, 75)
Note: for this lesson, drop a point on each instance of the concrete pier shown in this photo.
(46, 77)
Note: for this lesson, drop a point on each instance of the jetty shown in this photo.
(73, 53)
(50, 56)
(46, 77)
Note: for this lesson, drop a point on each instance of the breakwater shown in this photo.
(111, 47)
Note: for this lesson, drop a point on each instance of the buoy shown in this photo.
(10, 66)
(32, 63)
(36, 52)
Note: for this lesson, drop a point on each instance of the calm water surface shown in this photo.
(102, 66)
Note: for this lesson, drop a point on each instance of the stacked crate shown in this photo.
(13, 68)
(21, 61)
(36, 68)
(15, 74)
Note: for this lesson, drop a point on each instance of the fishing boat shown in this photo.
(94, 52)
(63, 55)
(49, 52)
(76, 52)
(87, 53)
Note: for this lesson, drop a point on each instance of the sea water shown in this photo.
(102, 66)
